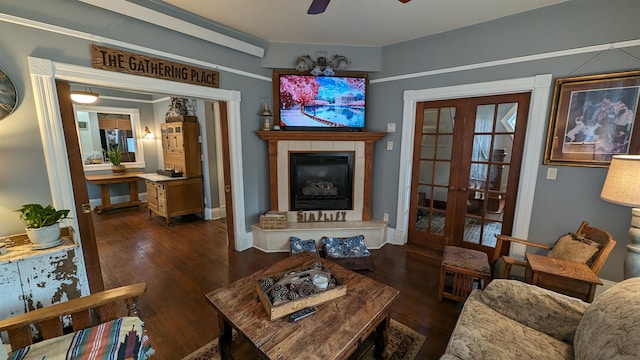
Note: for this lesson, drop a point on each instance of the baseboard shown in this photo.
(117, 199)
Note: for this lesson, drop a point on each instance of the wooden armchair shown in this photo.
(85, 312)
(563, 281)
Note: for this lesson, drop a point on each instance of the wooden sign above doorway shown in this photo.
(130, 63)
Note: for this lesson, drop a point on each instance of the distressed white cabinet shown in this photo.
(11, 298)
(31, 279)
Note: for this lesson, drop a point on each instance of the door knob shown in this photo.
(462, 189)
(227, 188)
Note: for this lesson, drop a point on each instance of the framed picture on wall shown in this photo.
(593, 118)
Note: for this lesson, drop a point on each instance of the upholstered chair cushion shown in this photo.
(575, 248)
(345, 247)
(610, 328)
(541, 309)
(483, 333)
(297, 245)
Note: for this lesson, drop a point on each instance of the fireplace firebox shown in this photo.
(321, 181)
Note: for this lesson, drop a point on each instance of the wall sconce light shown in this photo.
(266, 115)
(84, 97)
(322, 65)
(147, 133)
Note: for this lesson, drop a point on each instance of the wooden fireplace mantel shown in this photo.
(369, 138)
(322, 135)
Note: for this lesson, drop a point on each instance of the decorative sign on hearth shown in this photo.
(321, 216)
(130, 63)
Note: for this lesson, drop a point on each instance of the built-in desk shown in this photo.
(104, 180)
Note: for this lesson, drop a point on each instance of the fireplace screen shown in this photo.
(321, 181)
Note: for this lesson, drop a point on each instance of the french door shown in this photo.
(466, 165)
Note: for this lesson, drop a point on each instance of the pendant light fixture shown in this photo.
(84, 97)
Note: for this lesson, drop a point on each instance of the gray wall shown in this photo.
(559, 205)
(21, 147)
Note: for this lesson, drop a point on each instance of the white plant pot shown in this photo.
(44, 235)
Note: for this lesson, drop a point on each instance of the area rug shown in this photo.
(404, 344)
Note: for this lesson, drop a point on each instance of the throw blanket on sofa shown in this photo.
(119, 339)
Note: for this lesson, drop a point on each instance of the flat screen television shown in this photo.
(308, 102)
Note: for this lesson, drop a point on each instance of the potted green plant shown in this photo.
(43, 223)
(115, 158)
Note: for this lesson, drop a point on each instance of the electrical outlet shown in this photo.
(391, 127)
(385, 217)
(389, 145)
(552, 173)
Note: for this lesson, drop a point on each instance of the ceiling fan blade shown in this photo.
(318, 7)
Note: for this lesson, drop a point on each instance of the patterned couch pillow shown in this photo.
(345, 247)
(298, 245)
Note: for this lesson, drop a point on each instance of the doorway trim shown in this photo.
(540, 88)
(45, 72)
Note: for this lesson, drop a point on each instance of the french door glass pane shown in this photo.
(428, 147)
(426, 172)
(437, 223)
(446, 120)
(444, 150)
(507, 114)
(430, 122)
(485, 118)
(442, 173)
(502, 145)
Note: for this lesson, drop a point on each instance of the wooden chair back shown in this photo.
(601, 236)
(85, 312)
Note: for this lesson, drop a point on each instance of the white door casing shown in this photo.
(44, 74)
(540, 88)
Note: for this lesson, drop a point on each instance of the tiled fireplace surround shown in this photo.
(358, 221)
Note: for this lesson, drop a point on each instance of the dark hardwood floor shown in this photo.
(184, 261)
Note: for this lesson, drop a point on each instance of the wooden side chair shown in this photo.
(588, 245)
(42, 333)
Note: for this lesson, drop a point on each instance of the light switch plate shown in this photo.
(552, 173)
(391, 127)
(389, 145)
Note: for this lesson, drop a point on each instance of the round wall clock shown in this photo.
(8, 95)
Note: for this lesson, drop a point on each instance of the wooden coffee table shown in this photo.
(566, 277)
(339, 328)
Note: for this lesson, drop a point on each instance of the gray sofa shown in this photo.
(513, 320)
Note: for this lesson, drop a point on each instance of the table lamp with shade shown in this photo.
(622, 187)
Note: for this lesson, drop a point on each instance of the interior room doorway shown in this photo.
(466, 167)
(540, 88)
(63, 181)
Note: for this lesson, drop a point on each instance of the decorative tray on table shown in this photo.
(286, 293)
